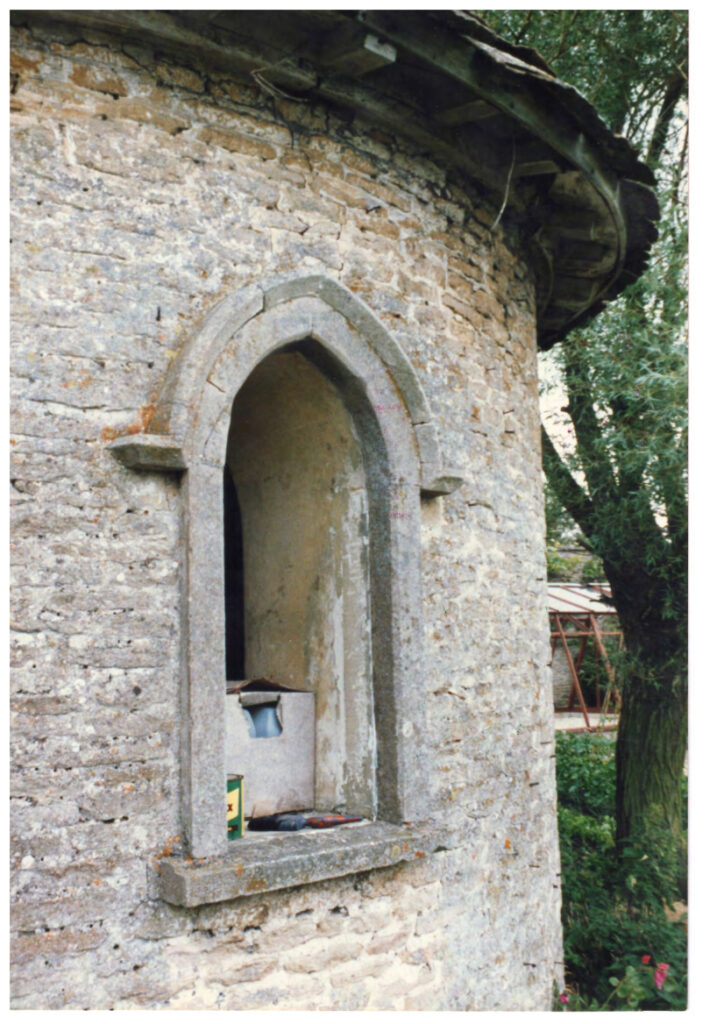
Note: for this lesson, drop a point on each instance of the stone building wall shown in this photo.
(143, 193)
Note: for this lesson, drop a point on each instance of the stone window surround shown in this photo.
(188, 433)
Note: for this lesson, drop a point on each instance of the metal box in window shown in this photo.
(270, 741)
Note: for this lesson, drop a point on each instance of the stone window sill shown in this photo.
(263, 862)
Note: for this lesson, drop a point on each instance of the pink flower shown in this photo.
(564, 998)
(646, 959)
(660, 975)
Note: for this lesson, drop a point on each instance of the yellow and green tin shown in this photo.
(234, 806)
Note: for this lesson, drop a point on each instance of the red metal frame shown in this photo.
(582, 625)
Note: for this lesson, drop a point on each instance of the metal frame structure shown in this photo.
(573, 611)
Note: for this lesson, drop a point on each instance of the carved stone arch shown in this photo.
(330, 327)
(220, 355)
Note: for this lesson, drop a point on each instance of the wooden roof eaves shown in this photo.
(471, 23)
(512, 79)
(577, 133)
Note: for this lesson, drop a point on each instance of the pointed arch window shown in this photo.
(296, 405)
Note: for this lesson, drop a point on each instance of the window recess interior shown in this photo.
(295, 478)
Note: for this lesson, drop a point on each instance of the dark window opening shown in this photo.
(234, 580)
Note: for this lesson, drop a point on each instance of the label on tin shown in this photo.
(235, 806)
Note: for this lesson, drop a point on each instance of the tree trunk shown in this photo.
(650, 754)
(652, 611)
(653, 724)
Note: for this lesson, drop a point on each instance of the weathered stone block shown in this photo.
(236, 143)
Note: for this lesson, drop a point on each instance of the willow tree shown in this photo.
(623, 478)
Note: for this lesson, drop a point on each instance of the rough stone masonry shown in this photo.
(145, 190)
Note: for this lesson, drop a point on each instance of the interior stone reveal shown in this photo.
(298, 469)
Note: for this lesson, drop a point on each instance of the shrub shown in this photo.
(586, 772)
(614, 920)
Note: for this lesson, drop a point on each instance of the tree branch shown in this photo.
(681, 166)
(673, 94)
(676, 506)
(524, 27)
(564, 37)
(571, 495)
(594, 461)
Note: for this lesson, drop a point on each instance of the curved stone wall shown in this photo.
(144, 193)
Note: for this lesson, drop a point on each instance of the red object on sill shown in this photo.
(330, 820)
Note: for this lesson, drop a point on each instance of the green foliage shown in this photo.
(623, 476)
(627, 387)
(621, 60)
(649, 867)
(586, 773)
(624, 481)
(560, 567)
(561, 531)
(626, 379)
(560, 527)
(592, 673)
(573, 568)
(592, 570)
(643, 986)
(626, 372)
(614, 908)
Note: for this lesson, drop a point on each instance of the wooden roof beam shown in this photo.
(352, 51)
(534, 158)
(396, 115)
(585, 231)
(535, 168)
(464, 113)
(410, 30)
(472, 65)
(163, 28)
